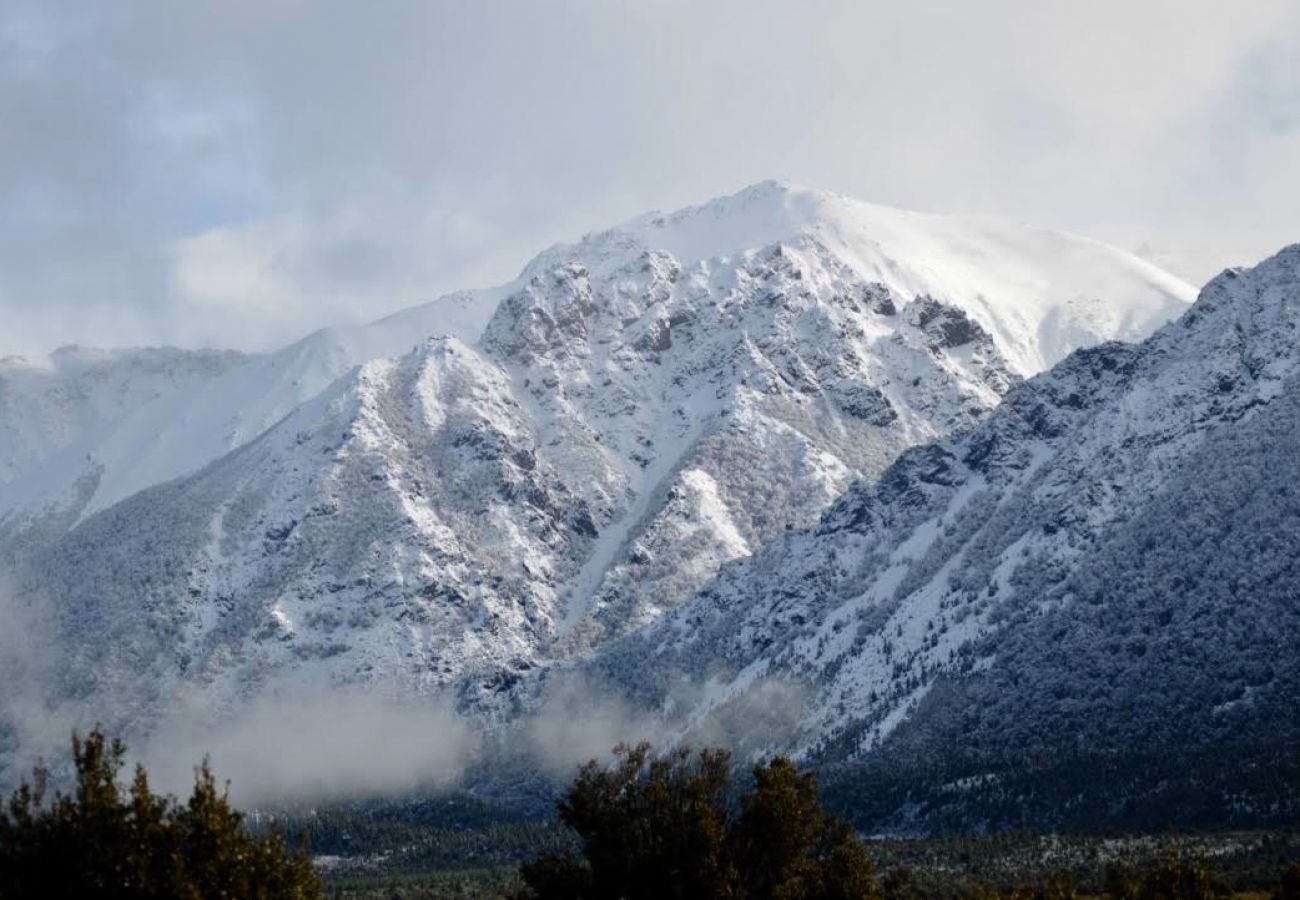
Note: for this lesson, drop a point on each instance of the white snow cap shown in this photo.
(1041, 293)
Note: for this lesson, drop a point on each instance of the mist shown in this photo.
(291, 745)
(579, 719)
(318, 745)
(34, 723)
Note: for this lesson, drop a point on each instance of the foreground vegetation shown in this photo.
(644, 826)
(665, 827)
(99, 841)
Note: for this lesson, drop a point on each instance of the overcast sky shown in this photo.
(238, 173)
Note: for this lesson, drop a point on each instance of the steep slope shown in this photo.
(50, 404)
(1105, 568)
(641, 408)
(90, 428)
(1041, 294)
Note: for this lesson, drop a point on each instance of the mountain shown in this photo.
(1081, 611)
(52, 404)
(86, 428)
(595, 441)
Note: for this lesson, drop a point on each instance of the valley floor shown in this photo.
(1243, 864)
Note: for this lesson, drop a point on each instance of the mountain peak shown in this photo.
(1256, 300)
(1282, 266)
(1041, 293)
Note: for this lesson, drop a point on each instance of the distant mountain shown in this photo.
(51, 405)
(1084, 610)
(86, 428)
(586, 449)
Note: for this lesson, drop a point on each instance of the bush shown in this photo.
(660, 827)
(102, 842)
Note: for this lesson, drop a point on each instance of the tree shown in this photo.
(1123, 882)
(650, 826)
(899, 884)
(101, 842)
(661, 826)
(785, 846)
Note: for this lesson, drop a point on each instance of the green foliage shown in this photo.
(426, 834)
(651, 826)
(102, 842)
(491, 883)
(1123, 882)
(1058, 886)
(660, 826)
(786, 846)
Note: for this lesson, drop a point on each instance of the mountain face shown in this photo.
(1085, 601)
(86, 428)
(49, 406)
(587, 449)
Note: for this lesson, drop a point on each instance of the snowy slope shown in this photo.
(138, 425)
(1041, 294)
(1106, 564)
(67, 398)
(641, 408)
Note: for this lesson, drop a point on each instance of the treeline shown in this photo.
(1231, 785)
(427, 838)
(662, 826)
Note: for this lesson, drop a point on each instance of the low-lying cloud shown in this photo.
(34, 723)
(578, 720)
(334, 744)
(295, 745)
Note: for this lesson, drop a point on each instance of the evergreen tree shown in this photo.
(900, 884)
(785, 846)
(101, 842)
(661, 826)
(650, 826)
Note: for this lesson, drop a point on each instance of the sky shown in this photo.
(238, 174)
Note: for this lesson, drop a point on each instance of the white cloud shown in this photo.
(164, 166)
(314, 745)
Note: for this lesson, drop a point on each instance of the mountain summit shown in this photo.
(1041, 294)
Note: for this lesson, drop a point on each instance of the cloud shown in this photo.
(33, 723)
(300, 164)
(282, 746)
(577, 720)
(314, 745)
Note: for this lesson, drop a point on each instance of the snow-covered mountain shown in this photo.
(1103, 570)
(49, 405)
(85, 428)
(584, 450)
